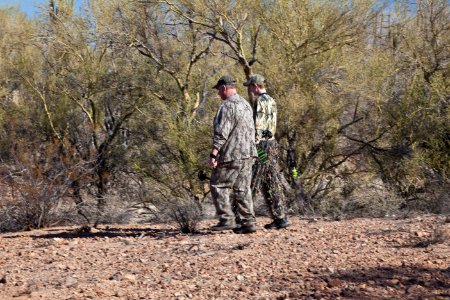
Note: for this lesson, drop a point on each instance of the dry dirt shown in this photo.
(312, 259)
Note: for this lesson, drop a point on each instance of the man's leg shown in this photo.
(221, 184)
(273, 191)
(243, 195)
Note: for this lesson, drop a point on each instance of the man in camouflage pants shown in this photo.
(232, 156)
(266, 171)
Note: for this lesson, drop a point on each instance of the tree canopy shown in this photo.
(116, 100)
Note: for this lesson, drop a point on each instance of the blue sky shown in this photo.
(30, 7)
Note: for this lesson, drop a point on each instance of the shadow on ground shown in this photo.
(112, 232)
(375, 283)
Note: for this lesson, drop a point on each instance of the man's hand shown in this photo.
(213, 163)
(213, 158)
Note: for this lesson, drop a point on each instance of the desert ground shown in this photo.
(314, 258)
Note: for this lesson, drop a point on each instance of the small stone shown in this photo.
(420, 234)
(120, 294)
(130, 277)
(69, 267)
(73, 243)
(414, 289)
(126, 242)
(244, 289)
(71, 282)
(333, 282)
(116, 276)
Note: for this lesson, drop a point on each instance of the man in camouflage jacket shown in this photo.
(266, 176)
(232, 156)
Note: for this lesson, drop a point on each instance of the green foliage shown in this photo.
(122, 94)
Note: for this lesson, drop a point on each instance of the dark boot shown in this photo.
(221, 226)
(277, 224)
(244, 229)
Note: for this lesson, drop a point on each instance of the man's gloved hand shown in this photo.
(294, 173)
(262, 155)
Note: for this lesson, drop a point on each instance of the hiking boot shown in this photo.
(244, 229)
(223, 227)
(277, 224)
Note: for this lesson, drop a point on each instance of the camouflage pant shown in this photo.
(266, 179)
(230, 189)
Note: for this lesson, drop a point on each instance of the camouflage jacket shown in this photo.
(234, 130)
(265, 116)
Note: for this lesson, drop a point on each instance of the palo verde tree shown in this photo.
(119, 96)
(399, 79)
(109, 90)
(291, 43)
(18, 208)
(174, 133)
(18, 59)
(414, 154)
(83, 95)
(303, 56)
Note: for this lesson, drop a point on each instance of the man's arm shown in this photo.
(261, 118)
(266, 117)
(223, 123)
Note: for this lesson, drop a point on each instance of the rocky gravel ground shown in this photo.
(312, 259)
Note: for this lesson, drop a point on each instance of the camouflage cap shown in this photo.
(224, 80)
(255, 79)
